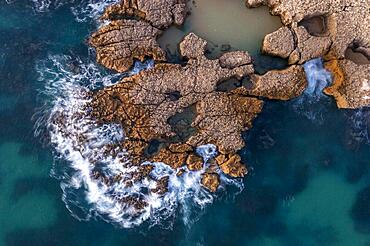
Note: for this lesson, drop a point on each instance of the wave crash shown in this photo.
(97, 178)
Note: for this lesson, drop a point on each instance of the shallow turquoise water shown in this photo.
(309, 162)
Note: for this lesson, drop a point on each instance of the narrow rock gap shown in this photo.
(264, 63)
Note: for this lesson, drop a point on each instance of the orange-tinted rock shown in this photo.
(233, 167)
(174, 160)
(194, 162)
(351, 83)
(211, 181)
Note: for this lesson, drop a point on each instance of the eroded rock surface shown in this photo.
(351, 87)
(324, 28)
(145, 105)
(133, 30)
(159, 13)
(277, 84)
(120, 42)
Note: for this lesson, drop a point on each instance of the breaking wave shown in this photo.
(82, 146)
(313, 104)
(91, 9)
(83, 10)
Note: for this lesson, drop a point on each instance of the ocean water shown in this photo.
(309, 162)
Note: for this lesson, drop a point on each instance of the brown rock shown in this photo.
(122, 41)
(235, 59)
(351, 83)
(162, 186)
(326, 28)
(145, 103)
(233, 166)
(279, 43)
(278, 84)
(194, 162)
(310, 47)
(211, 181)
(159, 13)
(174, 160)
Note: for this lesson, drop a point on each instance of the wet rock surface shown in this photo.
(325, 28)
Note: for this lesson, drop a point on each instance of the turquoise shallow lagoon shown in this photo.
(309, 162)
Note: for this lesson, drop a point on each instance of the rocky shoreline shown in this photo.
(170, 109)
(339, 31)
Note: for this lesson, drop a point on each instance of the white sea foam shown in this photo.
(82, 145)
(317, 76)
(91, 9)
(311, 102)
(83, 10)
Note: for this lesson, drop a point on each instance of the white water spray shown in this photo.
(86, 196)
(317, 76)
(312, 103)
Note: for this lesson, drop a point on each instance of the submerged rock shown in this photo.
(360, 211)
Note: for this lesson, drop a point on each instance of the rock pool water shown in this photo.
(309, 161)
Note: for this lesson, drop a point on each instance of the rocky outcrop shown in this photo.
(308, 47)
(146, 105)
(235, 59)
(133, 30)
(231, 165)
(120, 42)
(279, 43)
(159, 13)
(277, 84)
(211, 181)
(324, 28)
(351, 83)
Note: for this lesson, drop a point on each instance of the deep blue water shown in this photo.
(310, 163)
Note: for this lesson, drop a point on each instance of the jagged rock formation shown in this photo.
(122, 41)
(351, 87)
(133, 29)
(164, 103)
(169, 110)
(327, 28)
(160, 13)
(277, 84)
